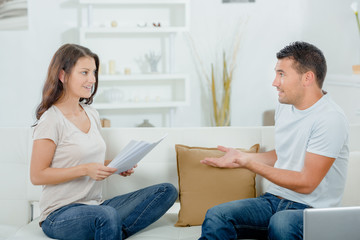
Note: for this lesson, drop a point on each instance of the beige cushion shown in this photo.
(202, 187)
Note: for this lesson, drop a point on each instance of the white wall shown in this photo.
(329, 24)
(24, 58)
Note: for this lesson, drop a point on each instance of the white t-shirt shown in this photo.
(321, 129)
(73, 147)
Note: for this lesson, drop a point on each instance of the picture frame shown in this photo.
(237, 1)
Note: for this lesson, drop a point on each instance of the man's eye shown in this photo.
(281, 74)
(84, 72)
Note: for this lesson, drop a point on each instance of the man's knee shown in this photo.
(285, 225)
(217, 225)
(216, 212)
(235, 211)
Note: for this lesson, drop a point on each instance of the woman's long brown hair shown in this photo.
(65, 59)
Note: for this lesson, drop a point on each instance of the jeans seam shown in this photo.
(251, 227)
(288, 205)
(280, 208)
(54, 221)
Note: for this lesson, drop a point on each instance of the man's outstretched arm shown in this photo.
(304, 181)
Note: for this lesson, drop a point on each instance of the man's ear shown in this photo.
(309, 78)
(62, 76)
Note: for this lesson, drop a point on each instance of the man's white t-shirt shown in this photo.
(73, 147)
(321, 129)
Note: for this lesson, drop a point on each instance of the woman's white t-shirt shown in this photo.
(73, 147)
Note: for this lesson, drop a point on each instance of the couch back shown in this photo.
(158, 166)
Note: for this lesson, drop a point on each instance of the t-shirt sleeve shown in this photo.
(329, 135)
(47, 128)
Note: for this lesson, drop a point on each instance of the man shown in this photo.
(308, 166)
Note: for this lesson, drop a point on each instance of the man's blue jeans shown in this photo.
(116, 218)
(265, 217)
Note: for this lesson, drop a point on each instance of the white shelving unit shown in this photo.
(343, 80)
(158, 91)
(111, 27)
(345, 90)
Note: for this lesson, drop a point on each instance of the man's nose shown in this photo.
(276, 82)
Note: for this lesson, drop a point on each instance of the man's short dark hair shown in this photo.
(307, 57)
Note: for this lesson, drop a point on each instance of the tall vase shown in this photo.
(356, 67)
(221, 113)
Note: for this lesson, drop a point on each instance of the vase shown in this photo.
(356, 69)
(145, 123)
(112, 70)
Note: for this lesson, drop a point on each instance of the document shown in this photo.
(132, 153)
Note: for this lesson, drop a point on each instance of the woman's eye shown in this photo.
(84, 72)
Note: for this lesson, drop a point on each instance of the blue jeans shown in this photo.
(265, 217)
(116, 218)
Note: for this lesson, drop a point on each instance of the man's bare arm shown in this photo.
(304, 181)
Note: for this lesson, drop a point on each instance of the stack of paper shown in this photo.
(132, 153)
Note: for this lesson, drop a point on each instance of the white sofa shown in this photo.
(18, 195)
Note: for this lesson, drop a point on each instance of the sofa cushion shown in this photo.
(351, 195)
(202, 187)
(7, 230)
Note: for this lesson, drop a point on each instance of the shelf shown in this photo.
(139, 105)
(142, 91)
(18, 23)
(344, 89)
(133, 2)
(172, 14)
(132, 30)
(141, 77)
(343, 80)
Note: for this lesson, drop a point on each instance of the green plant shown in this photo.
(354, 7)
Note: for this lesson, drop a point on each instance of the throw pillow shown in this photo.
(202, 187)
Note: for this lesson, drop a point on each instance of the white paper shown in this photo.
(132, 153)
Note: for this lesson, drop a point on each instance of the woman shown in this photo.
(68, 158)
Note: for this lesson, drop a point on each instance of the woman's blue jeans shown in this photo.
(265, 217)
(116, 218)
